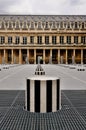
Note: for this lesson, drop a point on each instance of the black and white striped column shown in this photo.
(43, 94)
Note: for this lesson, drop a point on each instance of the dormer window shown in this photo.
(32, 25)
(17, 25)
(39, 25)
(76, 25)
(46, 25)
(83, 25)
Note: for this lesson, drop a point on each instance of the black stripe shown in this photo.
(49, 96)
(28, 94)
(37, 95)
(58, 93)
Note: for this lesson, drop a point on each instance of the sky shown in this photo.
(57, 7)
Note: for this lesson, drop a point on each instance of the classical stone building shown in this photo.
(54, 38)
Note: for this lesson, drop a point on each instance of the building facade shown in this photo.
(54, 38)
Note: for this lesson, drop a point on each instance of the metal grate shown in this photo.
(72, 116)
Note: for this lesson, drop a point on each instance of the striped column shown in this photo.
(43, 95)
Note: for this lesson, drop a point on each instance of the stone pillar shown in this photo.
(43, 96)
(79, 39)
(13, 39)
(20, 40)
(50, 39)
(4, 56)
(50, 56)
(58, 56)
(12, 56)
(72, 39)
(0, 58)
(32, 97)
(6, 39)
(74, 55)
(34, 56)
(20, 58)
(43, 56)
(65, 39)
(35, 40)
(28, 55)
(81, 56)
(57, 40)
(54, 95)
(43, 39)
(66, 56)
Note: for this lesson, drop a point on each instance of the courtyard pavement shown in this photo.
(13, 77)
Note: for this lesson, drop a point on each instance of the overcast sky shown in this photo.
(43, 7)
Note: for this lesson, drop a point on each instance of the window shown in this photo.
(39, 39)
(53, 39)
(83, 39)
(76, 25)
(32, 39)
(24, 40)
(61, 39)
(46, 25)
(32, 25)
(82, 25)
(76, 39)
(61, 25)
(17, 25)
(39, 25)
(2, 39)
(10, 25)
(17, 40)
(69, 39)
(46, 39)
(9, 40)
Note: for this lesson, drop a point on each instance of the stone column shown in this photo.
(66, 56)
(43, 56)
(28, 55)
(50, 56)
(54, 96)
(43, 96)
(20, 56)
(34, 56)
(74, 55)
(21, 41)
(32, 98)
(58, 56)
(12, 56)
(81, 56)
(4, 58)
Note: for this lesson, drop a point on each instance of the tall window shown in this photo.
(76, 39)
(61, 39)
(46, 39)
(39, 39)
(83, 39)
(53, 39)
(69, 39)
(32, 39)
(2, 39)
(76, 25)
(9, 40)
(83, 25)
(17, 40)
(24, 40)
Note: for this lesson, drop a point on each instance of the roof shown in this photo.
(45, 18)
